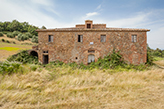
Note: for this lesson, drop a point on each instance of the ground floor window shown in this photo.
(91, 58)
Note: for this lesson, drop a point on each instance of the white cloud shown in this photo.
(91, 14)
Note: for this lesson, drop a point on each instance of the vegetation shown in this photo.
(23, 57)
(34, 39)
(1, 34)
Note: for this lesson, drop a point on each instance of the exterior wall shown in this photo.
(65, 46)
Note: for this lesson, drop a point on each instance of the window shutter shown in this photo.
(81, 38)
(51, 38)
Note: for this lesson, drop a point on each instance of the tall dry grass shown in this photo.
(68, 88)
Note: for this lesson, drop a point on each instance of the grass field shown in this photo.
(7, 49)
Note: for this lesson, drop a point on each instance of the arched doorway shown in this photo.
(91, 58)
(34, 53)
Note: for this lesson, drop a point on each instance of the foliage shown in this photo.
(34, 39)
(23, 57)
(22, 37)
(18, 26)
(9, 67)
(1, 34)
(3, 40)
(15, 33)
(28, 34)
(10, 35)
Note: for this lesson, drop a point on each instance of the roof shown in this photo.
(85, 29)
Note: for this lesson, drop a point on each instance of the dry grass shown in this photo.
(68, 88)
(7, 49)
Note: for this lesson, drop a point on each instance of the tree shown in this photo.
(43, 27)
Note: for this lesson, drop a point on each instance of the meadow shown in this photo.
(8, 49)
(65, 87)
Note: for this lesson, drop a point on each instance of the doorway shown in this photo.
(91, 58)
(45, 59)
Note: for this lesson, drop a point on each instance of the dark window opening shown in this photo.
(76, 58)
(103, 38)
(45, 51)
(45, 59)
(50, 38)
(80, 38)
(88, 25)
(91, 51)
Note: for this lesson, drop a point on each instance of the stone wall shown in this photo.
(65, 46)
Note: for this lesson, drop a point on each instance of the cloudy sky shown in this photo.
(148, 14)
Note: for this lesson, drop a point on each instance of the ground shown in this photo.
(64, 87)
(7, 49)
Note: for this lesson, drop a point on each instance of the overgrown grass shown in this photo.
(65, 87)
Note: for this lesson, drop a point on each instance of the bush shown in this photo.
(7, 41)
(1, 34)
(9, 67)
(28, 34)
(3, 40)
(15, 33)
(20, 37)
(34, 39)
(24, 57)
(10, 35)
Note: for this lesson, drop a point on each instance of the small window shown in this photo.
(50, 38)
(80, 38)
(91, 51)
(103, 38)
(45, 51)
(88, 25)
(134, 38)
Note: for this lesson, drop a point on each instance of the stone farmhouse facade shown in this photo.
(88, 42)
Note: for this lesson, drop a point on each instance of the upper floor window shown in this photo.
(88, 25)
(103, 38)
(50, 38)
(134, 38)
(80, 38)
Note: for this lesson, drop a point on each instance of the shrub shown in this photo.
(9, 67)
(3, 40)
(7, 41)
(28, 34)
(1, 34)
(10, 35)
(33, 67)
(20, 37)
(34, 39)
(15, 33)
(24, 57)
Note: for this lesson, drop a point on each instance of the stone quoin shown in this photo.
(88, 42)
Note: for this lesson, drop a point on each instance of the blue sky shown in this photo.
(148, 14)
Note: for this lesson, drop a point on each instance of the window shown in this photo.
(91, 58)
(50, 38)
(88, 25)
(103, 38)
(45, 51)
(91, 51)
(134, 38)
(80, 38)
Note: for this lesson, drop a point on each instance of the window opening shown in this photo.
(88, 25)
(80, 38)
(91, 58)
(50, 39)
(91, 51)
(134, 38)
(103, 38)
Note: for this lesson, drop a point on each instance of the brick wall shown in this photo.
(65, 46)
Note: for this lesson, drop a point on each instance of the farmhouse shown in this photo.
(88, 42)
